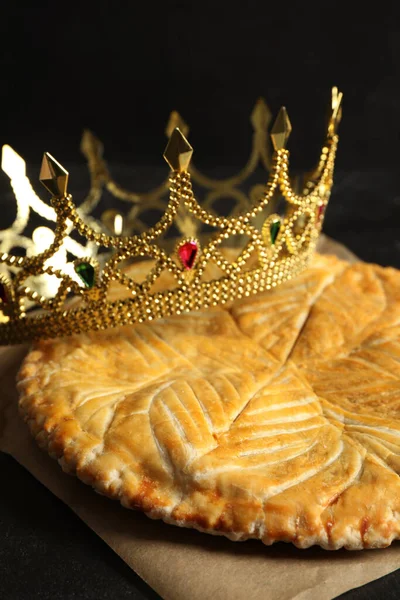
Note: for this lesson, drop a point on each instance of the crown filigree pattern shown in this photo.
(276, 246)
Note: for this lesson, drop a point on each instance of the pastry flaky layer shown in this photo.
(276, 418)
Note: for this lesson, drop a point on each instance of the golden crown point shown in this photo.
(53, 176)
(178, 152)
(90, 144)
(336, 97)
(336, 116)
(175, 121)
(281, 130)
(261, 116)
(273, 247)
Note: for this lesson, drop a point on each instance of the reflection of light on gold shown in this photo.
(46, 285)
(12, 163)
(322, 189)
(42, 237)
(118, 223)
(14, 166)
(76, 248)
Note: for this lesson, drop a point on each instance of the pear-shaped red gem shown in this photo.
(321, 211)
(187, 253)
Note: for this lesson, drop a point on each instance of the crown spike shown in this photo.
(90, 144)
(53, 176)
(336, 116)
(178, 152)
(175, 121)
(260, 116)
(281, 130)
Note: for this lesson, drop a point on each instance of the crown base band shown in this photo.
(128, 311)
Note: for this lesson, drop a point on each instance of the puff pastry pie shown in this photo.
(276, 418)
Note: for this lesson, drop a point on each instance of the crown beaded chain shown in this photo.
(283, 246)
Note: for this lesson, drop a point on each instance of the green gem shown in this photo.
(274, 230)
(87, 273)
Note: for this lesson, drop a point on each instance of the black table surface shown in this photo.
(47, 552)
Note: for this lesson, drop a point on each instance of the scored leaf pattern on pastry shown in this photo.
(277, 418)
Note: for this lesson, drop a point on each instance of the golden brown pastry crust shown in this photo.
(276, 419)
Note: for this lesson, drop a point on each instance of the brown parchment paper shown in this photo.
(183, 564)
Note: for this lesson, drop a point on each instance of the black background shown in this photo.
(119, 69)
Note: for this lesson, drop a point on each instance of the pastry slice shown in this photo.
(345, 312)
(275, 320)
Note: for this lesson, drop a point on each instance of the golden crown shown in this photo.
(270, 247)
